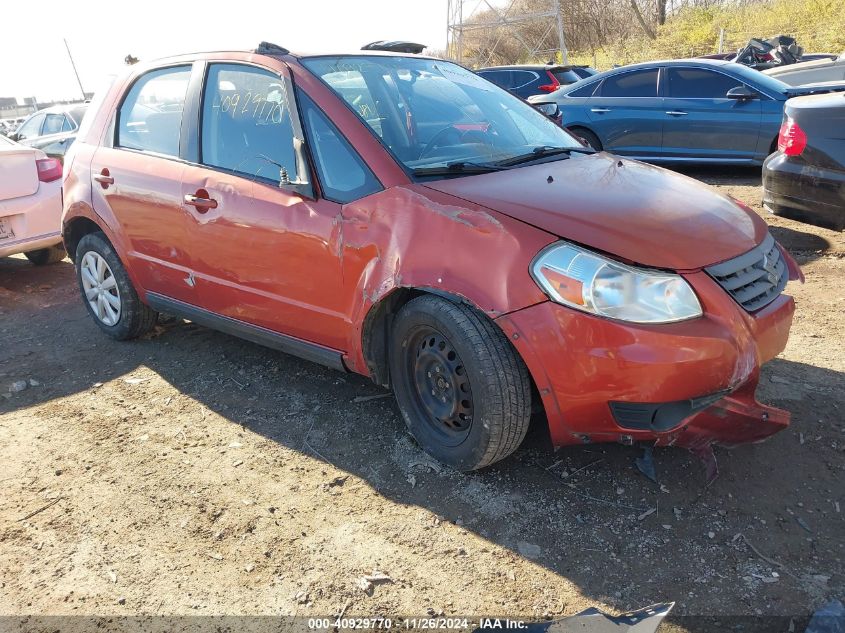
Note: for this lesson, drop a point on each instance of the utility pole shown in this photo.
(564, 54)
(500, 20)
(73, 65)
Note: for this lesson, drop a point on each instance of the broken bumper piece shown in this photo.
(733, 420)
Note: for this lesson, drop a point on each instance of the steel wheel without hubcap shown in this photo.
(442, 392)
(100, 288)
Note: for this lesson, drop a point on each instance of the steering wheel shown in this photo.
(434, 139)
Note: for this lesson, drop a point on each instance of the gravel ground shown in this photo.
(193, 473)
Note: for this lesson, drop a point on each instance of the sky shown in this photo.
(34, 62)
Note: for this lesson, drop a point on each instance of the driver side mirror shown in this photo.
(742, 93)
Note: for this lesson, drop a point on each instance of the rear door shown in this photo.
(626, 112)
(137, 177)
(701, 122)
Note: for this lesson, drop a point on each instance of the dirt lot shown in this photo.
(193, 473)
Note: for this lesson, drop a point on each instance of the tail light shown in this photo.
(552, 86)
(792, 140)
(49, 169)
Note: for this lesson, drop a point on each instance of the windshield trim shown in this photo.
(407, 170)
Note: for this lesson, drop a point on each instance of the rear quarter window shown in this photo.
(584, 91)
(150, 118)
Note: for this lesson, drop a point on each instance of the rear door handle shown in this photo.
(201, 203)
(600, 110)
(104, 178)
(677, 113)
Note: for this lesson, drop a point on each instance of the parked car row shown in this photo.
(8, 126)
(534, 79)
(689, 110)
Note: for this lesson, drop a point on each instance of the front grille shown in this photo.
(754, 279)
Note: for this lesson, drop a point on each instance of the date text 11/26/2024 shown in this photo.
(424, 624)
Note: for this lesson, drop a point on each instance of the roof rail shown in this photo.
(395, 46)
(268, 48)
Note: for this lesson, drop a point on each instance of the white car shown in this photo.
(30, 204)
(816, 71)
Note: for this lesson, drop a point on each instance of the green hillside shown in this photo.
(818, 25)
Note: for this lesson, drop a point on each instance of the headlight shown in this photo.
(587, 281)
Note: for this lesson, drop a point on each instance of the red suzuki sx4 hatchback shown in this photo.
(400, 217)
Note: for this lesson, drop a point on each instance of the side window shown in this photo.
(344, 176)
(53, 124)
(31, 128)
(150, 118)
(501, 78)
(67, 125)
(639, 83)
(699, 83)
(522, 78)
(246, 122)
(584, 91)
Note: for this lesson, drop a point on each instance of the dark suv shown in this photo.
(534, 79)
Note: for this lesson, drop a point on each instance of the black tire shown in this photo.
(44, 256)
(479, 367)
(136, 318)
(588, 137)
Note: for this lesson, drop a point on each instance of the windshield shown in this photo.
(432, 113)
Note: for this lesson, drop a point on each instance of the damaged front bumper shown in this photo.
(690, 384)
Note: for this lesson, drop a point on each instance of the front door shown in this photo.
(627, 113)
(702, 122)
(137, 181)
(263, 254)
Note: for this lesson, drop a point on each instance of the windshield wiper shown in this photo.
(457, 167)
(542, 152)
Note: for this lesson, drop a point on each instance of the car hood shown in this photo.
(640, 213)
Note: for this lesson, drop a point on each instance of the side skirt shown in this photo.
(256, 334)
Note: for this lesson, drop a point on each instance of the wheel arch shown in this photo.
(75, 229)
(376, 331)
(573, 129)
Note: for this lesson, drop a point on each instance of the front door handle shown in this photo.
(677, 113)
(201, 201)
(600, 110)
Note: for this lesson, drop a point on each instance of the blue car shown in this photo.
(688, 110)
